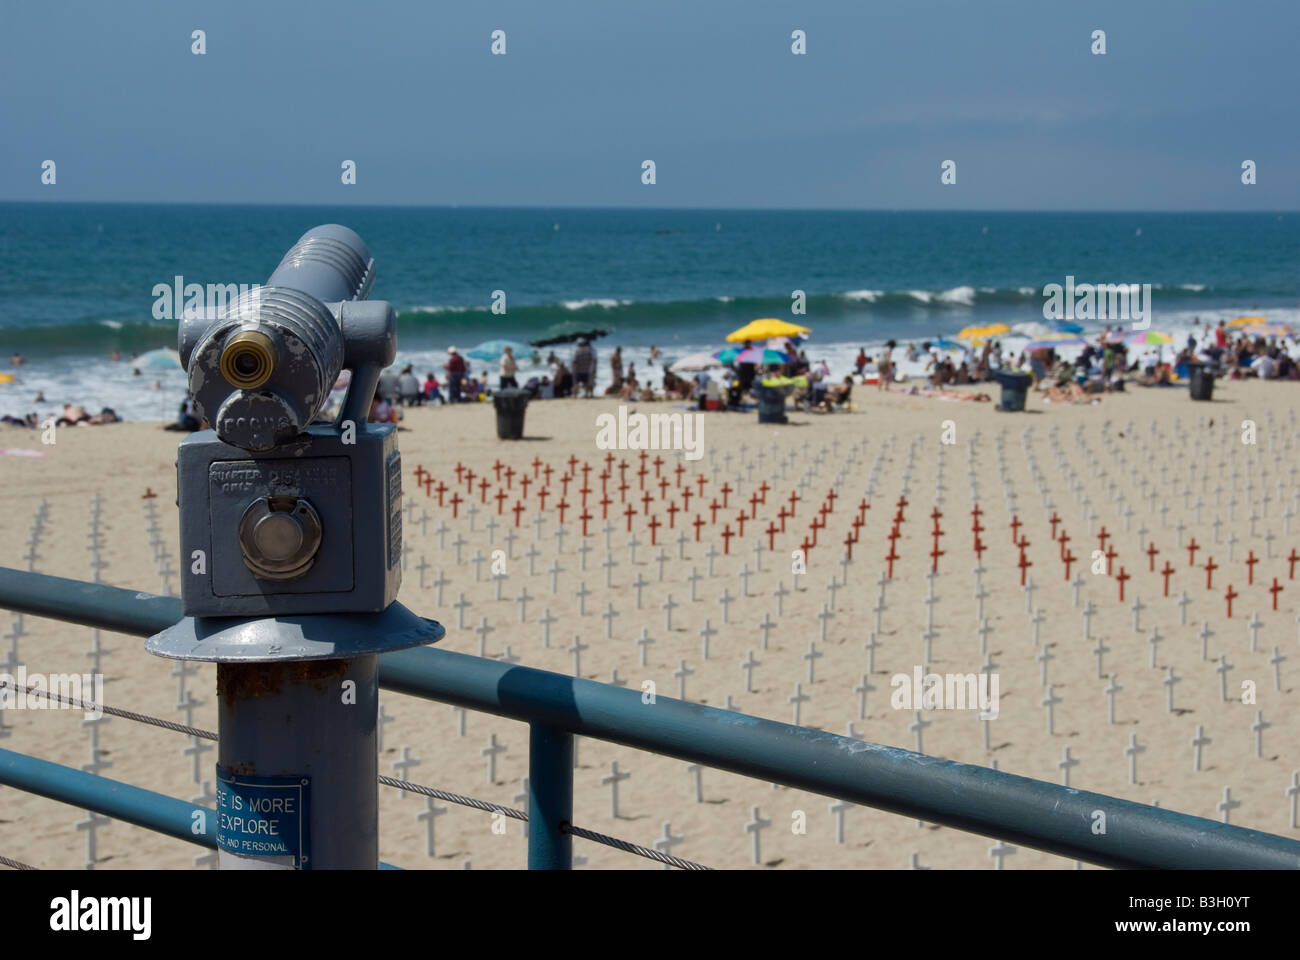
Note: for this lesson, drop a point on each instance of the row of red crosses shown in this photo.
(1068, 558)
(511, 484)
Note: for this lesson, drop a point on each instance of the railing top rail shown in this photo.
(1016, 809)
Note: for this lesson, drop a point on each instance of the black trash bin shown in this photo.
(1015, 387)
(510, 405)
(771, 404)
(1200, 381)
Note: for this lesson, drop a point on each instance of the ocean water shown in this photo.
(77, 280)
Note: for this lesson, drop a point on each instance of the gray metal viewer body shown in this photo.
(291, 532)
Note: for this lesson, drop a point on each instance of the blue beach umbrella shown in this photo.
(490, 350)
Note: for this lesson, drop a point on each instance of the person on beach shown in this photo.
(886, 367)
(17, 360)
(456, 369)
(584, 367)
(508, 369)
(616, 367)
(431, 391)
(861, 361)
(408, 388)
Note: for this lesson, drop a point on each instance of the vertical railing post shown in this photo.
(550, 798)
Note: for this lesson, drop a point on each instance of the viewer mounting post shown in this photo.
(291, 536)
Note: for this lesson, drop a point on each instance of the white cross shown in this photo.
(461, 605)
(608, 616)
(1227, 804)
(756, 824)
(582, 593)
(1044, 657)
(639, 584)
(725, 601)
(612, 781)
(576, 649)
(403, 765)
(1205, 635)
(1170, 679)
(1276, 660)
(546, 620)
(491, 751)
(838, 808)
(483, 629)
(918, 726)
(1111, 689)
(666, 843)
(1050, 701)
(609, 565)
(781, 592)
(697, 773)
(522, 600)
(1199, 741)
(681, 673)
(1259, 726)
(1222, 669)
(693, 579)
(1132, 751)
(644, 642)
(1254, 626)
(999, 852)
(430, 813)
(1154, 640)
(1064, 765)
(1293, 792)
(1137, 608)
(812, 656)
(797, 698)
(668, 606)
(766, 626)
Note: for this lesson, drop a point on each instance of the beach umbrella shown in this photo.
(164, 358)
(1148, 338)
(1274, 328)
(1066, 326)
(944, 344)
(1031, 329)
(766, 329)
(763, 356)
(1242, 321)
(7, 378)
(695, 362)
(727, 355)
(981, 333)
(493, 349)
(1054, 343)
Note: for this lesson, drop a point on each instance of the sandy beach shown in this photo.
(1131, 453)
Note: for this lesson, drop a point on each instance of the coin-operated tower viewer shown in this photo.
(291, 540)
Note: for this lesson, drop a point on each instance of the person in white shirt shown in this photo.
(507, 368)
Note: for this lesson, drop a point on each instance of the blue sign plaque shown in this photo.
(264, 817)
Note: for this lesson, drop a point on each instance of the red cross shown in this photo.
(935, 554)
(1015, 528)
(848, 545)
(902, 502)
(460, 470)
(754, 501)
(420, 472)
(793, 499)
(585, 492)
(1230, 596)
(525, 480)
(782, 515)
(1191, 552)
(483, 489)
(586, 518)
(609, 461)
(1292, 560)
(623, 488)
(1063, 539)
(1210, 567)
(469, 480)
(640, 477)
(1069, 559)
(561, 506)
(700, 481)
(832, 496)
(893, 555)
(1275, 590)
(1167, 571)
(686, 498)
(672, 514)
(1055, 520)
(646, 500)
(1151, 555)
(725, 490)
(1024, 565)
(586, 469)
(658, 462)
(564, 485)
(1121, 577)
(1102, 537)
(726, 539)
(1251, 560)
(573, 462)
(604, 507)
(762, 490)
(771, 536)
(536, 465)
(679, 470)
(979, 549)
(428, 482)
(510, 475)
(698, 523)
(629, 513)
(740, 523)
(498, 467)
(548, 470)
(654, 526)
(1111, 554)
(501, 499)
(517, 509)
(713, 511)
(663, 488)
(455, 505)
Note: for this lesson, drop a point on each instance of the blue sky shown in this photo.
(708, 89)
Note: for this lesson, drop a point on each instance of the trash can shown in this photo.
(771, 404)
(1015, 387)
(1201, 381)
(510, 405)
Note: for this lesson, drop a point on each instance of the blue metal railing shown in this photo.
(557, 707)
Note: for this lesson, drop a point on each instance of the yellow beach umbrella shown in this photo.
(1242, 321)
(7, 378)
(766, 329)
(979, 333)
